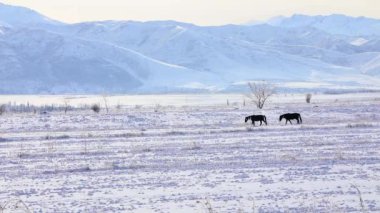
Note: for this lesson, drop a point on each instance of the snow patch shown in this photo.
(359, 41)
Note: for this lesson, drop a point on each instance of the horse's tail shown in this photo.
(265, 119)
(280, 118)
(300, 118)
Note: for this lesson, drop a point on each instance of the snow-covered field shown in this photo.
(193, 154)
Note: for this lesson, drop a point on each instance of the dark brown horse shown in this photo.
(291, 116)
(254, 118)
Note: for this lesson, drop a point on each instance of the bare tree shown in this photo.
(260, 92)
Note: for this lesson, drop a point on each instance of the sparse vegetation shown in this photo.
(208, 206)
(157, 108)
(195, 146)
(14, 205)
(359, 125)
(85, 148)
(66, 105)
(58, 137)
(362, 208)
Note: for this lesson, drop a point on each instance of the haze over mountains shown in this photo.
(41, 55)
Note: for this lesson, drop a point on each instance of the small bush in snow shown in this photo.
(2, 109)
(66, 106)
(208, 207)
(308, 98)
(157, 108)
(195, 146)
(95, 108)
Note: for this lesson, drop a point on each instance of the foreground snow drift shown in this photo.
(194, 158)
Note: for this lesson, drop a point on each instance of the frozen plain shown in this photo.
(192, 153)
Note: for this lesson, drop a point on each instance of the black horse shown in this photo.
(254, 118)
(291, 116)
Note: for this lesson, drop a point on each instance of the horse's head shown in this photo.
(281, 117)
(246, 119)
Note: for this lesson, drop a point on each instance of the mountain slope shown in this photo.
(14, 16)
(55, 63)
(40, 55)
(334, 24)
(259, 51)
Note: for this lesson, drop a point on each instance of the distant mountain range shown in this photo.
(41, 55)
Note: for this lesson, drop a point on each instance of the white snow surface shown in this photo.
(359, 41)
(191, 157)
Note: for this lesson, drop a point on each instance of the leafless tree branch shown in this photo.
(259, 93)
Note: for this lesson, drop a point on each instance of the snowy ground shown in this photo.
(195, 158)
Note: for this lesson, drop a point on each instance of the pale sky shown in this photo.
(201, 12)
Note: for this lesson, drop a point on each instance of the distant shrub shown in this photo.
(308, 98)
(195, 146)
(95, 108)
(2, 109)
(66, 106)
(208, 207)
(157, 108)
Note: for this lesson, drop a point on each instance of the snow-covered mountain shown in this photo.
(41, 55)
(334, 24)
(15, 16)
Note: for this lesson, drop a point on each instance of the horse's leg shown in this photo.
(261, 122)
(286, 122)
(253, 122)
(290, 122)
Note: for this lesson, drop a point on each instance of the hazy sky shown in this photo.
(201, 12)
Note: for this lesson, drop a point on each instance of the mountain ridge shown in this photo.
(48, 56)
